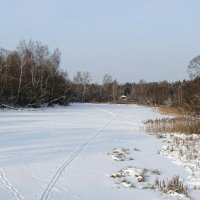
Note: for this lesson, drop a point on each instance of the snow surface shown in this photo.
(63, 153)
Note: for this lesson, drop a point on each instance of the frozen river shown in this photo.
(61, 153)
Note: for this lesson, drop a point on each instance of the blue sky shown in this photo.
(152, 40)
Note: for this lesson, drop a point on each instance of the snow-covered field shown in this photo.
(79, 152)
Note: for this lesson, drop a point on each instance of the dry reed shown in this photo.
(174, 185)
(170, 110)
(187, 125)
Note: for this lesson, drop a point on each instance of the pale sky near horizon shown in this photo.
(153, 40)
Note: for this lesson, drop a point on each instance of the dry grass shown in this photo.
(172, 186)
(170, 110)
(184, 150)
(187, 125)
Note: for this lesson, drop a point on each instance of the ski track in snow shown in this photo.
(39, 181)
(116, 126)
(49, 187)
(9, 186)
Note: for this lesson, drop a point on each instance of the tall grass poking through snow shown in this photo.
(173, 186)
(186, 124)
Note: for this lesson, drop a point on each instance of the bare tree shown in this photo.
(114, 89)
(107, 79)
(107, 87)
(30, 76)
(3, 70)
(18, 62)
(82, 78)
(194, 67)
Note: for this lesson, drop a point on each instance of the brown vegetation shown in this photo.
(187, 125)
(174, 185)
(169, 110)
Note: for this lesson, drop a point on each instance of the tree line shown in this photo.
(183, 94)
(30, 76)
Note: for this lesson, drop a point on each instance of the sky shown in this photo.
(152, 40)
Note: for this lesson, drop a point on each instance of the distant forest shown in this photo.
(30, 76)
